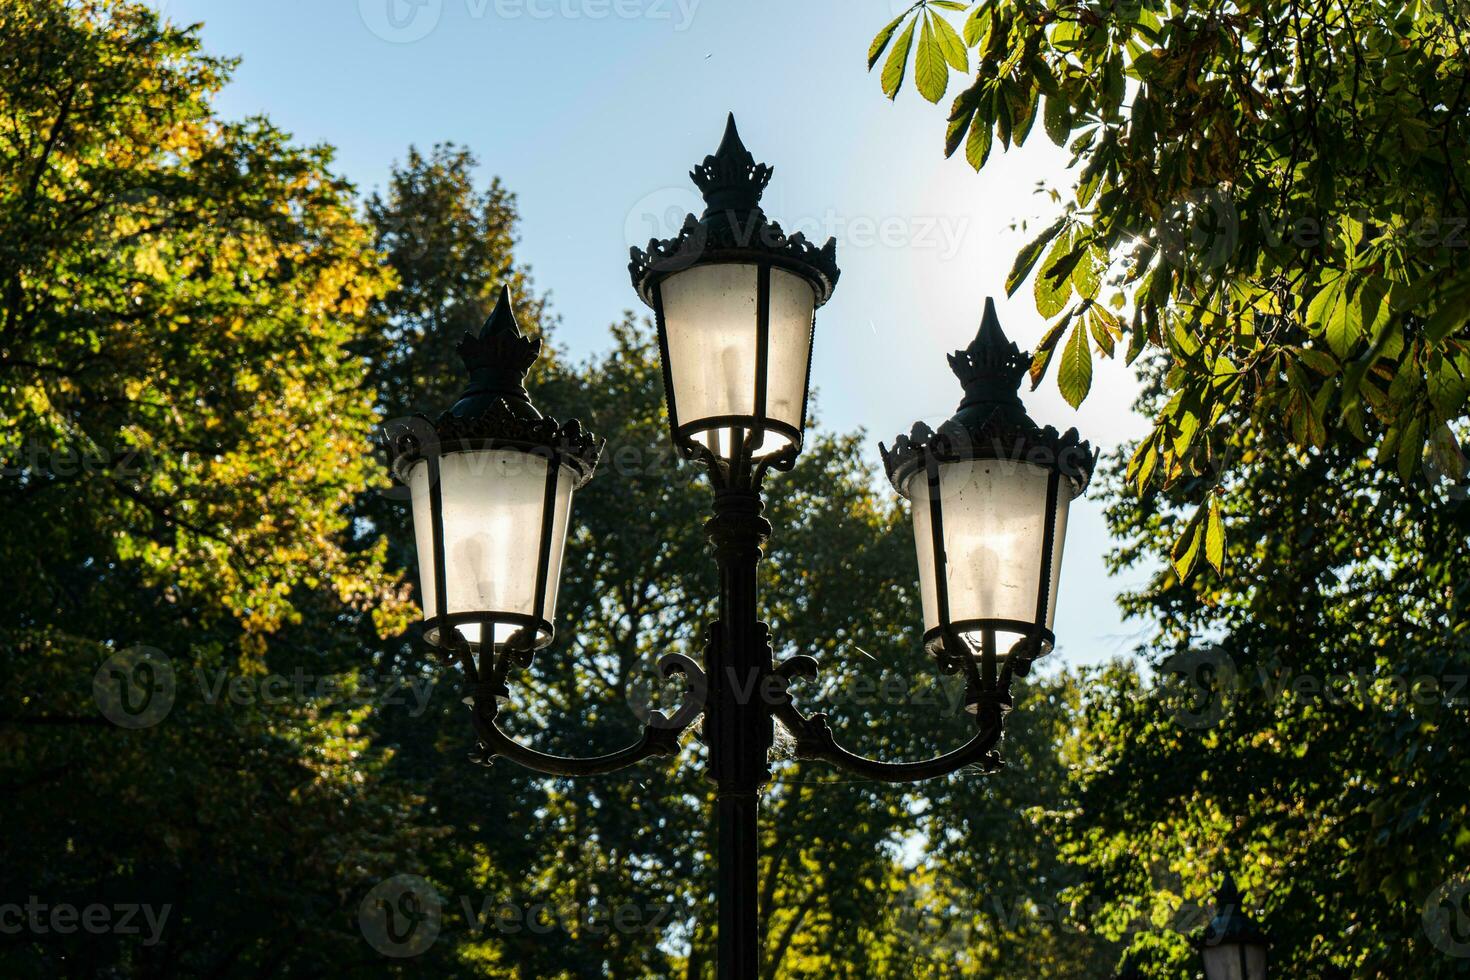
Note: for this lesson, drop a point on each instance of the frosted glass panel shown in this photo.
(1232, 962)
(493, 502)
(792, 303)
(709, 315)
(710, 320)
(993, 514)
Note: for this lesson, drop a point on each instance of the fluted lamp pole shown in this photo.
(735, 301)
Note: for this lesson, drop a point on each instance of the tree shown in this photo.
(1272, 195)
(180, 427)
(1307, 732)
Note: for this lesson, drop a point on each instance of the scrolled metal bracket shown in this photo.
(815, 739)
(660, 736)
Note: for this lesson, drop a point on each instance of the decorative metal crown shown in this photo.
(992, 365)
(730, 179)
(495, 410)
(500, 346)
(733, 228)
(991, 422)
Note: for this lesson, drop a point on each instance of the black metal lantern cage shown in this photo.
(990, 425)
(494, 413)
(734, 230)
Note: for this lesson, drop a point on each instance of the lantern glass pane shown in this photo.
(493, 519)
(792, 304)
(711, 333)
(1233, 961)
(993, 514)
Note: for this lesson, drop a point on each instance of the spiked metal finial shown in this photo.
(497, 359)
(733, 228)
(992, 367)
(730, 179)
(991, 422)
(495, 410)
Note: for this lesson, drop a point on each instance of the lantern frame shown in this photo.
(1231, 926)
(494, 413)
(991, 424)
(733, 230)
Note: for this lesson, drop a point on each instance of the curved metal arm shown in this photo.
(660, 734)
(815, 740)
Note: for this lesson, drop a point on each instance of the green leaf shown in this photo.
(1039, 363)
(1141, 466)
(976, 25)
(1074, 377)
(1023, 112)
(897, 62)
(1106, 342)
(1320, 361)
(1027, 256)
(1085, 275)
(1320, 309)
(1186, 551)
(959, 123)
(1053, 291)
(977, 146)
(931, 74)
(1411, 447)
(1057, 118)
(881, 39)
(1448, 391)
(1450, 316)
(1344, 326)
(1215, 536)
(951, 45)
(1444, 449)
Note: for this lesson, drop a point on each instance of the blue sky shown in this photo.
(593, 111)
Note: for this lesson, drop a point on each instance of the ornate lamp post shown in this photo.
(735, 299)
(1233, 946)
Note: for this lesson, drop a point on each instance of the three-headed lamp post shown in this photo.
(735, 300)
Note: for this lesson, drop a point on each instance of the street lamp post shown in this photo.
(734, 299)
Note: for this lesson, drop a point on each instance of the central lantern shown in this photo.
(735, 300)
(990, 493)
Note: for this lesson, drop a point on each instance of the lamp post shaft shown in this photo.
(738, 726)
